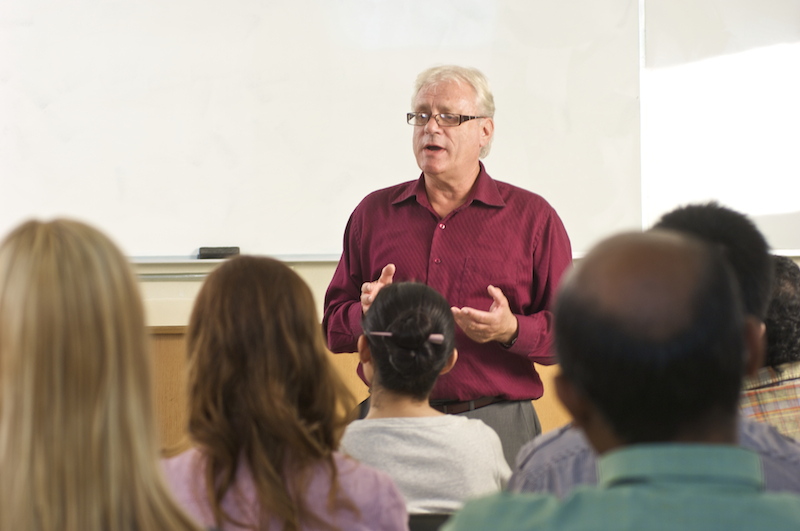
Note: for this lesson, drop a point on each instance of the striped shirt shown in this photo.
(502, 235)
(773, 396)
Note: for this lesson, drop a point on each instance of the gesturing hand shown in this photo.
(498, 324)
(370, 289)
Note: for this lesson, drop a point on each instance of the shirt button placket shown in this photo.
(437, 245)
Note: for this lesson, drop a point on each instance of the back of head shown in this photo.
(649, 327)
(745, 247)
(77, 438)
(409, 360)
(261, 388)
(471, 77)
(783, 314)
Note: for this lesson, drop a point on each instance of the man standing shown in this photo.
(495, 251)
(639, 326)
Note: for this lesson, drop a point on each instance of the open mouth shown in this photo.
(434, 148)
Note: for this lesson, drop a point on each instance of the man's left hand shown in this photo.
(498, 324)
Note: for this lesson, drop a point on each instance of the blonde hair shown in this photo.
(472, 77)
(78, 448)
(263, 392)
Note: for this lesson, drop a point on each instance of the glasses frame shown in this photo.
(461, 118)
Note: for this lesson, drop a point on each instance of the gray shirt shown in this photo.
(436, 462)
(559, 460)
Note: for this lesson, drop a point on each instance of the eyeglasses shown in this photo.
(443, 119)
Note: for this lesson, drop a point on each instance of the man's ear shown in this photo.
(451, 361)
(755, 339)
(487, 130)
(573, 400)
(365, 357)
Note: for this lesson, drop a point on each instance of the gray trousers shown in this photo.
(515, 422)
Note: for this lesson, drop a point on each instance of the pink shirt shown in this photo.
(503, 235)
(381, 506)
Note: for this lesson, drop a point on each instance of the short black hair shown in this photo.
(744, 246)
(408, 363)
(648, 389)
(783, 314)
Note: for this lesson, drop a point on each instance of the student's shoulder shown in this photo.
(352, 473)
(183, 465)
(380, 503)
(563, 443)
(474, 428)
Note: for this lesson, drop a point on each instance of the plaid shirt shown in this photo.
(773, 396)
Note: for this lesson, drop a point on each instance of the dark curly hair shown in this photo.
(744, 246)
(783, 314)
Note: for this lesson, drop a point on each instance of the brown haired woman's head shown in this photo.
(261, 388)
(78, 448)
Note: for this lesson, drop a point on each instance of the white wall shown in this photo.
(721, 112)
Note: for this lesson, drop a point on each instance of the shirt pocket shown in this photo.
(478, 274)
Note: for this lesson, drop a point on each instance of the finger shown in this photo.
(387, 274)
(497, 295)
(476, 316)
(366, 287)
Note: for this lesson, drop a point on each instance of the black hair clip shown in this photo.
(436, 339)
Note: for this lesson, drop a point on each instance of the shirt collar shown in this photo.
(484, 190)
(769, 376)
(669, 462)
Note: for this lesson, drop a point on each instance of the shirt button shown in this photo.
(437, 261)
(441, 225)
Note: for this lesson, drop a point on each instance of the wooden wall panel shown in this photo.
(169, 352)
(551, 413)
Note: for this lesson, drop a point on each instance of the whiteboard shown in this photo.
(176, 124)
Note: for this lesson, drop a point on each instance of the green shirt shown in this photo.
(649, 487)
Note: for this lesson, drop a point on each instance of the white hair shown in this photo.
(484, 101)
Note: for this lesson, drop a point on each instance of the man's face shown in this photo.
(449, 153)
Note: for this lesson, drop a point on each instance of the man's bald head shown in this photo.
(649, 327)
(647, 282)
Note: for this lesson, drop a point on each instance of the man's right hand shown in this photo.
(370, 289)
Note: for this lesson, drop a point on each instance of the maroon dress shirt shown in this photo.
(502, 235)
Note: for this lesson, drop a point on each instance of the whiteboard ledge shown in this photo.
(177, 260)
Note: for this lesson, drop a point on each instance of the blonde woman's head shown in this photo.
(78, 449)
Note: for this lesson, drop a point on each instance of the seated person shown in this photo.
(78, 442)
(639, 324)
(773, 394)
(561, 459)
(267, 409)
(436, 460)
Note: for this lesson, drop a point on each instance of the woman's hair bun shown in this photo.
(411, 334)
(410, 330)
